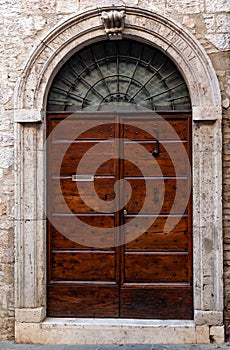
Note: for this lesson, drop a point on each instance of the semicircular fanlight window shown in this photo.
(122, 71)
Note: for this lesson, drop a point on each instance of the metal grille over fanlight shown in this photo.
(119, 72)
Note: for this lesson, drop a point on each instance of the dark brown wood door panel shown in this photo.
(178, 239)
(166, 195)
(159, 302)
(79, 300)
(74, 154)
(149, 277)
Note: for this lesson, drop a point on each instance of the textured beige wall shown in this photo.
(23, 23)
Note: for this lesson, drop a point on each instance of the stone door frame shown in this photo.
(30, 221)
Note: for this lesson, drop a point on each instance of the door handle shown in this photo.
(82, 178)
(125, 212)
(156, 151)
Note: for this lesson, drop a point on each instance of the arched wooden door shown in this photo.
(149, 276)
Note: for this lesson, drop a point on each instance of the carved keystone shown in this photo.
(114, 23)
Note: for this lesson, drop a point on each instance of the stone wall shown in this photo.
(23, 24)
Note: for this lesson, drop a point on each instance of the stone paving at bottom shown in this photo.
(12, 346)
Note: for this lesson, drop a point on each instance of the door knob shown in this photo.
(125, 212)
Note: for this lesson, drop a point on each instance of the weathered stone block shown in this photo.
(189, 22)
(217, 5)
(208, 317)
(28, 115)
(158, 4)
(7, 247)
(39, 22)
(18, 26)
(185, 6)
(7, 328)
(4, 124)
(217, 334)
(6, 139)
(6, 157)
(223, 23)
(202, 335)
(6, 92)
(35, 315)
(209, 21)
(68, 6)
(46, 6)
(7, 279)
(15, 7)
(220, 41)
(104, 332)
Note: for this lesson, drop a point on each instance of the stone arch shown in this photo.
(30, 105)
(61, 42)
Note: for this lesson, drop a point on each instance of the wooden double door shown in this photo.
(149, 276)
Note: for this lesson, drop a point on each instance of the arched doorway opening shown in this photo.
(149, 276)
(30, 221)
